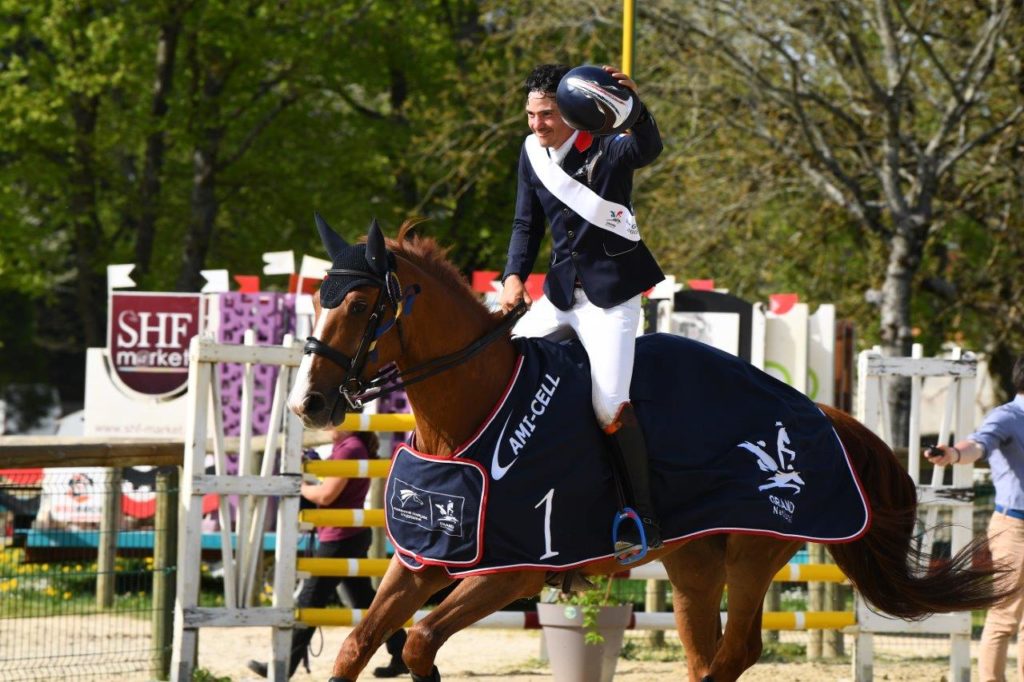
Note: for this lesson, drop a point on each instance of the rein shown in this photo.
(386, 382)
(357, 391)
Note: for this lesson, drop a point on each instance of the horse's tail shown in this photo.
(885, 564)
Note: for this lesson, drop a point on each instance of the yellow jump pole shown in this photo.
(628, 34)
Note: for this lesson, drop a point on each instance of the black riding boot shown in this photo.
(396, 668)
(629, 450)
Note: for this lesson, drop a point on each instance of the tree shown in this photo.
(876, 104)
(62, 60)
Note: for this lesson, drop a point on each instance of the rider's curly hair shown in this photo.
(545, 78)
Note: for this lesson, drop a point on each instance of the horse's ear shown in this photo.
(333, 241)
(376, 251)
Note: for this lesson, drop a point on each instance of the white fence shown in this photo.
(258, 478)
(874, 374)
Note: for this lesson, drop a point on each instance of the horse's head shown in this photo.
(354, 301)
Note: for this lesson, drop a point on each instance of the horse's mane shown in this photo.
(427, 254)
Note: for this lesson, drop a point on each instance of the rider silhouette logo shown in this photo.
(446, 519)
(447, 513)
(782, 469)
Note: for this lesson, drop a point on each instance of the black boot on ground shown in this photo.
(258, 667)
(397, 667)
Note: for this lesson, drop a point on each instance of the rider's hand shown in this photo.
(624, 80)
(512, 293)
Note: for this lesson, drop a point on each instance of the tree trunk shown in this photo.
(203, 214)
(896, 332)
(205, 165)
(150, 183)
(85, 219)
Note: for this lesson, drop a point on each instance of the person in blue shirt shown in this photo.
(596, 275)
(1000, 438)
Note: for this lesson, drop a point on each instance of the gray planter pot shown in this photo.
(571, 658)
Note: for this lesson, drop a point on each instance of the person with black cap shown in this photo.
(576, 175)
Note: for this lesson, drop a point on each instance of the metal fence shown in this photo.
(83, 575)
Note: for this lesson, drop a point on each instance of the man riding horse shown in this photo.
(580, 179)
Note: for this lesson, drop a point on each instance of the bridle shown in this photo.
(357, 391)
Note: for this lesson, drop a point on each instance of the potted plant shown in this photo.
(583, 632)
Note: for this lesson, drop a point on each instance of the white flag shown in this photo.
(313, 268)
(304, 305)
(666, 288)
(119, 276)
(216, 281)
(279, 262)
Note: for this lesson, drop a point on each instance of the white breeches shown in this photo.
(608, 334)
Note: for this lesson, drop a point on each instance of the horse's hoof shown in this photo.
(339, 679)
(434, 676)
(707, 678)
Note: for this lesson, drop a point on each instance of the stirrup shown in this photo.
(627, 553)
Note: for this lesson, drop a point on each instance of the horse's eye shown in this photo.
(358, 307)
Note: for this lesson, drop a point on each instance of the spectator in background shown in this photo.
(1000, 438)
(332, 543)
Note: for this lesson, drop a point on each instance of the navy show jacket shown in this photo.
(611, 269)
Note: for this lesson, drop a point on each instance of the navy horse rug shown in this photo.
(732, 450)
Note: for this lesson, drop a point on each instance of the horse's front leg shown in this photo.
(401, 592)
(471, 600)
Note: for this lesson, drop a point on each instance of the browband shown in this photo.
(355, 273)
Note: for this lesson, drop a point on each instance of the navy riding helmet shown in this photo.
(591, 100)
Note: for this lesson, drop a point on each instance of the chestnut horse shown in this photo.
(367, 328)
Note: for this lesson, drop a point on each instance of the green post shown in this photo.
(110, 525)
(165, 554)
(772, 602)
(654, 601)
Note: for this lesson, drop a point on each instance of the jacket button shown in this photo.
(566, 211)
(571, 234)
(574, 254)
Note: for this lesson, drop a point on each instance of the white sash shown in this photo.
(605, 214)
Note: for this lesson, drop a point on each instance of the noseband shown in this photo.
(389, 291)
(357, 391)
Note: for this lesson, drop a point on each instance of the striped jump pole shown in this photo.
(378, 422)
(348, 468)
(342, 568)
(527, 620)
(343, 518)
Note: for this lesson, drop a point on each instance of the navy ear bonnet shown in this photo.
(335, 287)
(352, 265)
